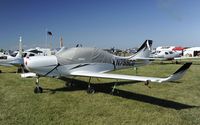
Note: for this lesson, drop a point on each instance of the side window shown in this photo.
(24, 54)
(31, 55)
(3, 57)
(166, 53)
(13, 54)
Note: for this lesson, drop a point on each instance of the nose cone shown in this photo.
(40, 64)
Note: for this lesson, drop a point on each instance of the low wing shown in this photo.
(176, 58)
(180, 58)
(175, 76)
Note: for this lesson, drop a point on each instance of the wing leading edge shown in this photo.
(175, 76)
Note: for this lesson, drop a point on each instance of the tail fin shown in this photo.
(144, 51)
(179, 73)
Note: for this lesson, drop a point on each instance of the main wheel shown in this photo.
(38, 90)
(90, 90)
(19, 70)
(69, 84)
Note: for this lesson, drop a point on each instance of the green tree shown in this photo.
(1, 50)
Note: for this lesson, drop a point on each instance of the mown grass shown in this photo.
(174, 103)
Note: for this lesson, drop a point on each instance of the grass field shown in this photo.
(174, 103)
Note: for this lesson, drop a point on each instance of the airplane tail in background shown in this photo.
(141, 57)
(144, 51)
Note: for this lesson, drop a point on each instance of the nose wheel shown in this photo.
(90, 89)
(38, 89)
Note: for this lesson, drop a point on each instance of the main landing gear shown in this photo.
(90, 88)
(113, 88)
(38, 89)
(69, 84)
(147, 83)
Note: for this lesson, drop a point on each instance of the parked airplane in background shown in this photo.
(93, 62)
(169, 55)
(16, 58)
(37, 52)
(165, 55)
(10, 60)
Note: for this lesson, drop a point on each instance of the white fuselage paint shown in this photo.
(41, 65)
(7, 60)
(85, 59)
(166, 55)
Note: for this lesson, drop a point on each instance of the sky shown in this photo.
(99, 23)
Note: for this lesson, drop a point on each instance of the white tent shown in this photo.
(192, 52)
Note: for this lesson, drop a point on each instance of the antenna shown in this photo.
(20, 46)
(61, 42)
(46, 30)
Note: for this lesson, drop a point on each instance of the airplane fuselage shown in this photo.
(81, 59)
(166, 55)
(7, 60)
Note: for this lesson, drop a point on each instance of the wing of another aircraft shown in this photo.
(176, 58)
(180, 58)
(175, 76)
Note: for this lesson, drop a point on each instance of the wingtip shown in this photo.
(149, 41)
(184, 67)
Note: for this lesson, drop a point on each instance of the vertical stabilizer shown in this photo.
(144, 50)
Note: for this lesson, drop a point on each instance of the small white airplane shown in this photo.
(165, 55)
(93, 62)
(8, 60)
(13, 60)
(16, 58)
